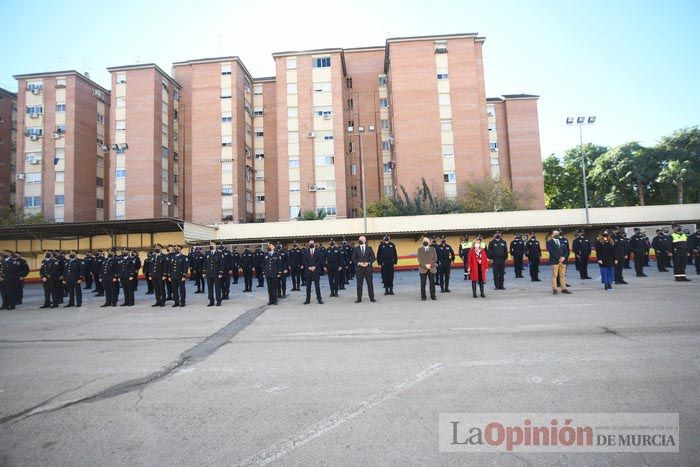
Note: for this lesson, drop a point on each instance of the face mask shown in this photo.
(442, 242)
(532, 238)
(211, 248)
(425, 243)
(110, 255)
(47, 256)
(311, 245)
(269, 248)
(72, 256)
(361, 242)
(157, 250)
(332, 243)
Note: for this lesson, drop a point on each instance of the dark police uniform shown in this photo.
(147, 267)
(284, 271)
(214, 270)
(661, 246)
(235, 264)
(582, 250)
(56, 281)
(387, 258)
(533, 251)
(158, 274)
(127, 273)
(638, 247)
(295, 267)
(498, 253)
(349, 264)
(446, 256)
(620, 255)
(108, 278)
(694, 249)
(258, 263)
(334, 259)
(179, 265)
(198, 271)
(227, 266)
(247, 263)
(88, 261)
(45, 283)
(464, 248)
(95, 271)
(8, 271)
(73, 274)
(272, 266)
(517, 251)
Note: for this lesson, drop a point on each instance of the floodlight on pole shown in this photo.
(580, 121)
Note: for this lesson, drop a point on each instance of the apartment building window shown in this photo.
(353, 169)
(120, 124)
(60, 82)
(442, 74)
(448, 150)
(259, 133)
(99, 181)
(34, 131)
(385, 123)
(348, 82)
(58, 200)
(490, 110)
(60, 155)
(226, 93)
(321, 62)
(260, 199)
(293, 137)
(383, 102)
(227, 167)
(444, 99)
(226, 190)
(291, 88)
(121, 150)
(121, 102)
(291, 64)
(32, 177)
(121, 78)
(351, 147)
(446, 124)
(330, 210)
(292, 112)
(492, 127)
(295, 186)
(100, 204)
(61, 128)
(32, 201)
(382, 80)
(164, 152)
(440, 47)
(225, 69)
(493, 145)
(257, 112)
(248, 196)
(32, 158)
(323, 111)
(294, 211)
(226, 117)
(120, 197)
(386, 145)
(60, 177)
(449, 177)
(387, 167)
(325, 185)
(257, 89)
(325, 86)
(61, 107)
(121, 173)
(35, 109)
(494, 162)
(100, 119)
(353, 191)
(227, 140)
(350, 104)
(35, 86)
(164, 85)
(164, 175)
(327, 137)
(324, 160)
(260, 175)
(293, 163)
(259, 155)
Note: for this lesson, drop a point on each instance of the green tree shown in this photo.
(563, 178)
(421, 202)
(9, 216)
(490, 195)
(625, 173)
(310, 215)
(682, 146)
(675, 173)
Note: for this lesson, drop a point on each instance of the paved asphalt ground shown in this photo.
(342, 384)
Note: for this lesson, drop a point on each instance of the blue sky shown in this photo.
(633, 64)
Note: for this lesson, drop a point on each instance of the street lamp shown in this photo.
(580, 121)
(360, 132)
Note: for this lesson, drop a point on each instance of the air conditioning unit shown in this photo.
(36, 91)
(19, 176)
(56, 135)
(34, 137)
(310, 134)
(36, 162)
(34, 115)
(60, 86)
(312, 187)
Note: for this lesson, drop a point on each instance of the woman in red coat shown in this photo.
(478, 265)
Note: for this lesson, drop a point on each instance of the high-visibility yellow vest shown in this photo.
(466, 245)
(678, 237)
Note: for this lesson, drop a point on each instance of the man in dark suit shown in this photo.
(363, 257)
(312, 258)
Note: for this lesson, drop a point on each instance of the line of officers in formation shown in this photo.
(166, 270)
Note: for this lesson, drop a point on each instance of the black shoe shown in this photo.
(218, 303)
(433, 298)
(174, 305)
(69, 305)
(644, 275)
(482, 295)
(621, 282)
(474, 295)
(306, 302)
(104, 305)
(372, 300)
(538, 280)
(320, 302)
(554, 292)
(447, 290)
(685, 279)
(155, 305)
(359, 300)
(210, 304)
(424, 298)
(566, 292)
(124, 304)
(386, 291)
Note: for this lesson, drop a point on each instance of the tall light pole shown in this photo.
(359, 133)
(580, 121)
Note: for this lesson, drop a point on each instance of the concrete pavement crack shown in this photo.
(189, 357)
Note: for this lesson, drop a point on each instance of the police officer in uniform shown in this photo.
(679, 250)
(517, 251)
(497, 253)
(147, 266)
(582, 251)
(73, 275)
(95, 271)
(247, 263)
(88, 261)
(213, 266)
(387, 257)
(694, 248)
(258, 264)
(179, 266)
(197, 267)
(620, 255)
(533, 251)
(137, 267)
(127, 276)
(349, 265)
(464, 248)
(108, 279)
(446, 255)
(334, 260)
(660, 244)
(295, 266)
(166, 279)
(44, 276)
(227, 266)
(159, 275)
(56, 279)
(235, 264)
(7, 274)
(284, 265)
(272, 268)
(628, 250)
(638, 247)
